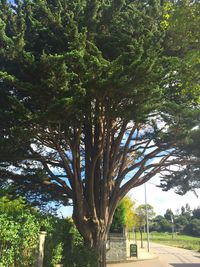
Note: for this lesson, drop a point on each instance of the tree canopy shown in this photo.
(184, 20)
(186, 222)
(124, 216)
(96, 97)
(141, 212)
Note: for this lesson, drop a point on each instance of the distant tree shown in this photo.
(124, 215)
(130, 214)
(182, 210)
(196, 213)
(141, 212)
(155, 226)
(169, 215)
(181, 222)
(186, 211)
(193, 228)
(141, 218)
(161, 224)
(119, 219)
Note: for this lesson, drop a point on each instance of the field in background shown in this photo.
(176, 240)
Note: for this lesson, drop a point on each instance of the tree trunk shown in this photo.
(141, 238)
(101, 252)
(94, 238)
(100, 248)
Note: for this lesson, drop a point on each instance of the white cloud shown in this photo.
(161, 200)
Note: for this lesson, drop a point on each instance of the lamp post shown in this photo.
(147, 217)
(172, 221)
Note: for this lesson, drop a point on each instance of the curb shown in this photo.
(132, 260)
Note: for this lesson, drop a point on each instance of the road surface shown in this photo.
(166, 257)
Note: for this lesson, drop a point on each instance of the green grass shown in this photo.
(177, 240)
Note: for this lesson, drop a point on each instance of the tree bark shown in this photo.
(94, 234)
(101, 252)
(102, 261)
(141, 238)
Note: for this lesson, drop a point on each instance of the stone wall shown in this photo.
(119, 247)
(117, 250)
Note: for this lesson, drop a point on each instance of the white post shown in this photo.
(41, 248)
(147, 217)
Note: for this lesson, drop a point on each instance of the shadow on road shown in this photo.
(185, 264)
(196, 256)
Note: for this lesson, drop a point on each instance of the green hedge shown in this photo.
(19, 232)
(65, 245)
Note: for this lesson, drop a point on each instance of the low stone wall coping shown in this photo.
(116, 238)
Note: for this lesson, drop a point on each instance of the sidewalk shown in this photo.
(143, 254)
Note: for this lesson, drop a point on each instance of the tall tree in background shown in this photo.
(124, 216)
(169, 215)
(141, 218)
(119, 219)
(96, 97)
(196, 213)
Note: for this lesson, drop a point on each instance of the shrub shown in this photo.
(81, 257)
(18, 238)
(64, 245)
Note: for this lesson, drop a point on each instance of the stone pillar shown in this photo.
(41, 248)
(117, 251)
(124, 231)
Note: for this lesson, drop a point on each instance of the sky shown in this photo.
(160, 200)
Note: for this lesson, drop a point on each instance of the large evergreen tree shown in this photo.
(96, 97)
(184, 42)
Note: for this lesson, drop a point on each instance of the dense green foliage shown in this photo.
(19, 234)
(58, 56)
(141, 211)
(64, 244)
(185, 222)
(118, 219)
(91, 92)
(19, 230)
(124, 216)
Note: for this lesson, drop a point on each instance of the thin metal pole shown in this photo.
(147, 217)
(172, 221)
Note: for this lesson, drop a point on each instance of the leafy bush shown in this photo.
(64, 245)
(58, 240)
(193, 228)
(57, 254)
(19, 231)
(81, 257)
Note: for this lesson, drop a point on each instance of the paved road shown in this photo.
(166, 257)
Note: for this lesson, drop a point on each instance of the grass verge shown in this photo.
(176, 240)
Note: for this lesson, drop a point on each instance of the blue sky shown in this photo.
(160, 200)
